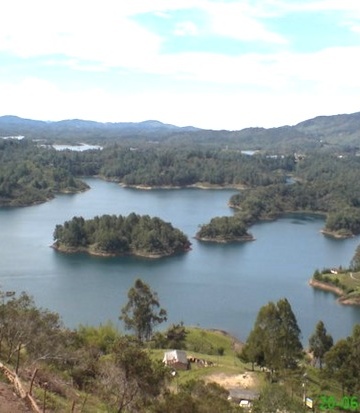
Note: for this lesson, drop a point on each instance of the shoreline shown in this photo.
(336, 235)
(245, 238)
(139, 254)
(13, 203)
(342, 297)
(198, 185)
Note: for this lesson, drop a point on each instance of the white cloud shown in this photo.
(239, 21)
(233, 91)
(105, 31)
(186, 28)
(277, 7)
(83, 30)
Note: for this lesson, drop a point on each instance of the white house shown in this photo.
(176, 359)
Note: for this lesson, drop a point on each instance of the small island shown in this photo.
(111, 235)
(223, 230)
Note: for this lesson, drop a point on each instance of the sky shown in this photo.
(213, 64)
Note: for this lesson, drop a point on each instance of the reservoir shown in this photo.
(213, 286)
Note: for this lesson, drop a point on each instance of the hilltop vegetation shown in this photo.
(101, 369)
(119, 235)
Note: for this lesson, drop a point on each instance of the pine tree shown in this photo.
(275, 338)
(320, 342)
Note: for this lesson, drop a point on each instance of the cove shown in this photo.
(214, 285)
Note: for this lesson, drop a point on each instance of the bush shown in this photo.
(221, 351)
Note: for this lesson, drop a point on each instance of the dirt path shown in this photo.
(10, 402)
(353, 277)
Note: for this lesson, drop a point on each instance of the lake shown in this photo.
(213, 286)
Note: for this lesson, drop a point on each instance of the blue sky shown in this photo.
(207, 63)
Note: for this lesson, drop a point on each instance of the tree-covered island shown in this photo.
(224, 229)
(111, 235)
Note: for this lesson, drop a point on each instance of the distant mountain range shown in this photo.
(15, 124)
(338, 130)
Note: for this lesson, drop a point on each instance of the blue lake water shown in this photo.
(214, 286)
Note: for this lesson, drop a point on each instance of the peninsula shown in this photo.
(342, 216)
(343, 283)
(111, 235)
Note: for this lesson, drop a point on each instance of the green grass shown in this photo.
(210, 341)
(347, 281)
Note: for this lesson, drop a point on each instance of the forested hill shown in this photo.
(320, 132)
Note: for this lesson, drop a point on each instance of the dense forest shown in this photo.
(31, 174)
(272, 185)
(166, 166)
(118, 235)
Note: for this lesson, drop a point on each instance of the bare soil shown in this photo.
(10, 402)
(229, 381)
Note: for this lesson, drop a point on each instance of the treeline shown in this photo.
(29, 174)
(33, 172)
(111, 234)
(166, 166)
